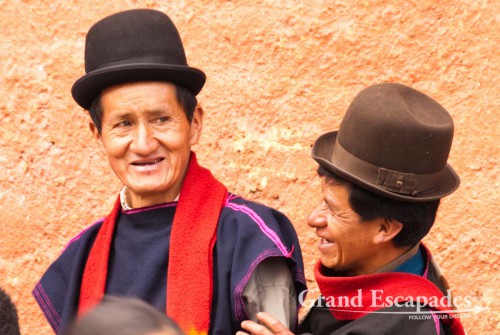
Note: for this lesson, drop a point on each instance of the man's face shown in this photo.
(347, 244)
(147, 139)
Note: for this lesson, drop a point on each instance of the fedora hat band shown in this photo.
(386, 179)
(149, 60)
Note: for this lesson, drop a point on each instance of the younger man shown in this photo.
(384, 173)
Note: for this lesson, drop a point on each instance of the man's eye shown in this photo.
(162, 119)
(124, 123)
(326, 207)
(331, 209)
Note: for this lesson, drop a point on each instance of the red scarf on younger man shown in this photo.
(190, 275)
(394, 287)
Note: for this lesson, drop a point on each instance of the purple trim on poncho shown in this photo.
(436, 322)
(427, 254)
(231, 196)
(77, 237)
(148, 208)
(46, 306)
(263, 227)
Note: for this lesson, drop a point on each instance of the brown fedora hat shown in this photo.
(393, 141)
(130, 46)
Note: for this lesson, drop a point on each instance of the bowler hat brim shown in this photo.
(88, 87)
(322, 152)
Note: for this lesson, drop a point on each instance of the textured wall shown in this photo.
(279, 74)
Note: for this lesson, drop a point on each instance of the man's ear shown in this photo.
(97, 136)
(196, 125)
(387, 231)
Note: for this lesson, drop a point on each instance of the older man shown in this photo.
(384, 172)
(175, 237)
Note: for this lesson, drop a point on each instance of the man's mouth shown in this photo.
(325, 241)
(148, 162)
(326, 246)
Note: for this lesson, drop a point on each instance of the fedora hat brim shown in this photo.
(93, 83)
(322, 152)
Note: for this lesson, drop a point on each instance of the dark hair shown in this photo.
(9, 321)
(186, 100)
(123, 316)
(417, 217)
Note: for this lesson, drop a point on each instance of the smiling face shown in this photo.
(147, 137)
(347, 244)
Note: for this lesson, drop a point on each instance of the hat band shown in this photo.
(160, 60)
(386, 179)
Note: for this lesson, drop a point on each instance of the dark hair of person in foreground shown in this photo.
(124, 316)
(9, 321)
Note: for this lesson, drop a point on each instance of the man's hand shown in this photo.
(273, 326)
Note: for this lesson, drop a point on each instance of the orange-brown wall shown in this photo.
(280, 73)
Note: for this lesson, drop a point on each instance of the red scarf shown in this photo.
(190, 276)
(388, 285)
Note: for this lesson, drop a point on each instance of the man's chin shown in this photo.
(328, 263)
(152, 191)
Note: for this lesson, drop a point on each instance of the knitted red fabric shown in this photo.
(385, 287)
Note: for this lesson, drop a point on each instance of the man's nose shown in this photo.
(144, 140)
(317, 218)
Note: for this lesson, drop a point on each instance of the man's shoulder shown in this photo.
(410, 316)
(84, 237)
(253, 223)
(242, 207)
(241, 213)
(61, 281)
(390, 320)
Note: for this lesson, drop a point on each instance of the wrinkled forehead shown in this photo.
(142, 96)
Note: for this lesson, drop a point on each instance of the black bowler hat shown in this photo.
(130, 46)
(393, 141)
